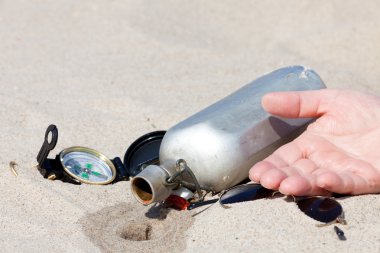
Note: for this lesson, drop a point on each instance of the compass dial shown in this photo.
(87, 165)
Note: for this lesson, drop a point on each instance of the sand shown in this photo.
(106, 72)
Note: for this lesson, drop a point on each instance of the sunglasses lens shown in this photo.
(321, 209)
(245, 192)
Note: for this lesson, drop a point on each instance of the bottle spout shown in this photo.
(148, 186)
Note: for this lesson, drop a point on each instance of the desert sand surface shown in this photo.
(106, 72)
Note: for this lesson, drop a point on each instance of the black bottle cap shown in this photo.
(143, 151)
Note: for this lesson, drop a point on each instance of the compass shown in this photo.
(87, 165)
(78, 164)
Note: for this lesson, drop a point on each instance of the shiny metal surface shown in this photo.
(148, 186)
(183, 193)
(222, 142)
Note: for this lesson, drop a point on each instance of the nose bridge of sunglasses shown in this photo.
(239, 193)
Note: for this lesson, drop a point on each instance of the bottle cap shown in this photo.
(143, 151)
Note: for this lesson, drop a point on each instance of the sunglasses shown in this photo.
(323, 209)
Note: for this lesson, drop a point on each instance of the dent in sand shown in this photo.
(137, 228)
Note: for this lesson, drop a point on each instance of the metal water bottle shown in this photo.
(223, 141)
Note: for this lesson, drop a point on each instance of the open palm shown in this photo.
(337, 153)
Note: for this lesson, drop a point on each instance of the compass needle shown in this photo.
(85, 175)
(98, 174)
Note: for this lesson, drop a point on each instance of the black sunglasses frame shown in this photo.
(323, 209)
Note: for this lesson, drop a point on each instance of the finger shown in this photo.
(304, 166)
(282, 157)
(299, 104)
(301, 186)
(272, 178)
(372, 177)
(343, 183)
(286, 155)
(259, 169)
(276, 160)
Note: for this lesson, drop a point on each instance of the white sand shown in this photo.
(106, 72)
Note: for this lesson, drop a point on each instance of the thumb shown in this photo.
(299, 104)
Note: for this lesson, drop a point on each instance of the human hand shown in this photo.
(337, 153)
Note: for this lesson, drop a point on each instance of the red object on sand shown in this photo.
(176, 202)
